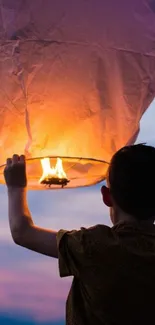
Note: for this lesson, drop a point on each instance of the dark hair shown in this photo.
(132, 180)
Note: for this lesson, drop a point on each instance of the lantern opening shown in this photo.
(62, 172)
(53, 175)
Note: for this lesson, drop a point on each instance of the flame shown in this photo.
(55, 172)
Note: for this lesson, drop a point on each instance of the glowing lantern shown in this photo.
(75, 79)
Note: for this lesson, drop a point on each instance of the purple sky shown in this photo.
(31, 291)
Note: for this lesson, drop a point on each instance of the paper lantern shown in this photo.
(75, 79)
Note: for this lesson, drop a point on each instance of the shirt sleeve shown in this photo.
(71, 251)
(76, 249)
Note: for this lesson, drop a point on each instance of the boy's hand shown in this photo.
(15, 172)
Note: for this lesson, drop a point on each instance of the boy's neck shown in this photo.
(130, 219)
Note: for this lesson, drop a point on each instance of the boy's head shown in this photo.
(131, 183)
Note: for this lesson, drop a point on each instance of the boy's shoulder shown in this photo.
(100, 235)
(100, 230)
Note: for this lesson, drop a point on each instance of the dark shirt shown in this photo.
(114, 274)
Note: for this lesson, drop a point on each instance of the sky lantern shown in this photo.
(75, 80)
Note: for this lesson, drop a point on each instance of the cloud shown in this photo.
(22, 319)
(69, 210)
(147, 131)
(39, 296)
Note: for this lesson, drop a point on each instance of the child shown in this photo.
(113, 268)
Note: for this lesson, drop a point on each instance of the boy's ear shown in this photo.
(106, 196)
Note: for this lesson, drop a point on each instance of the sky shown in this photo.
(31, 291)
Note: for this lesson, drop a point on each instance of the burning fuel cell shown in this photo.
(53, 175)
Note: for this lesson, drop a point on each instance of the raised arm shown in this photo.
(23, 230)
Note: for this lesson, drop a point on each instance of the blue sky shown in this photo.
(31, 291)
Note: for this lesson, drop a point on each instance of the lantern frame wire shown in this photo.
(64, 157)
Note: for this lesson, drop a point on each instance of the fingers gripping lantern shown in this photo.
(15, 172)
(76, 78)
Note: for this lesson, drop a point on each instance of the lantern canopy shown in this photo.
(75, 80)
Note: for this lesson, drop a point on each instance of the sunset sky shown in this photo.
(31, 291)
